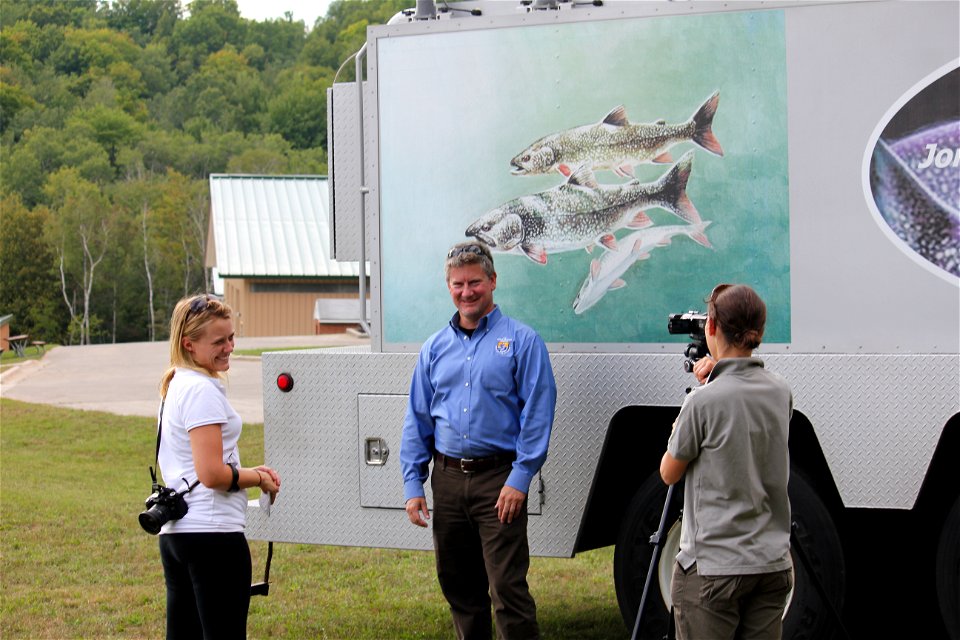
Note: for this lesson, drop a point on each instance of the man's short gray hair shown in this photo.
(467, 253)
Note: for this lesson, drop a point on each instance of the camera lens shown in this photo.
(153, 519)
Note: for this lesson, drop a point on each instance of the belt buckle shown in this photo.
(467, 460)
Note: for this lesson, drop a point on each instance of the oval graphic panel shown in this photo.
(914, 173)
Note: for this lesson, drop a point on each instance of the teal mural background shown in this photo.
(456, 107)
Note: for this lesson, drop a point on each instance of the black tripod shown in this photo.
(657, 540)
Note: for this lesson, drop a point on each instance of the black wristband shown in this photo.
(234, 484)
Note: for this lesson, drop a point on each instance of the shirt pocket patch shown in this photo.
(497, 374)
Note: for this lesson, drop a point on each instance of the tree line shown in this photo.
(112, 117)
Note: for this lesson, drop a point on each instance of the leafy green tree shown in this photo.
(299, 114)
(49, 12)
(26, 167)
(90, 54)
(136, 200)
(86, 49)
(12, 100)
(15, 43)
(227, 93)
(308, 161)
(183, 213)
(213, 24)
(156, 151)
(53, 100)
(258, 161)
(112, 116)
(27, 44)
(110, 128)
(156, 69)
(28, 284)
(80, 233)
(343, 31)
(143, 20)
(281, 40)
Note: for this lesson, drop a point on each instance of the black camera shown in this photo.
(163, 505)
(693, 323)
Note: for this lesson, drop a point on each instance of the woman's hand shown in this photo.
(703, 367)
(269, 481)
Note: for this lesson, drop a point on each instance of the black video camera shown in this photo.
(693, 323)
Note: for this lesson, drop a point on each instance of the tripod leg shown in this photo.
(657, 540)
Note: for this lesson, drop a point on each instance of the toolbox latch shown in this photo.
(376, 451)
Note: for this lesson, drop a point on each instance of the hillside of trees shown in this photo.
(112, 117)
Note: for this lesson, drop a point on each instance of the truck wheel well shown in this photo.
(635, 442)
(806, 456)
(940, 484)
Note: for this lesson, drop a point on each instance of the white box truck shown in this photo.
(807, 149)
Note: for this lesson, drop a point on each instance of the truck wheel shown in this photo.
(806, 616)
(948, 571)
(631, 557)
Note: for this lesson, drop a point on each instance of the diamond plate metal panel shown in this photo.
(878, 419)
(343, 123)
(311, 437)
(381, 416)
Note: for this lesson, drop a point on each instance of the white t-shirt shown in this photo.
(195, 400)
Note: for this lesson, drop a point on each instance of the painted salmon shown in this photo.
(606, 272)
(581, 212)
(616, 144)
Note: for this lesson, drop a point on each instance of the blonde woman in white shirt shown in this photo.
(206, 559)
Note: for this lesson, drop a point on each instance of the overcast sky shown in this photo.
(306, 10)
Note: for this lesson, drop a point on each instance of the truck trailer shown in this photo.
(808, 149)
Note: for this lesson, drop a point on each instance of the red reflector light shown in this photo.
(285, 382)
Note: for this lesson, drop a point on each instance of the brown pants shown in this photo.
(744, 607)
(477, 554)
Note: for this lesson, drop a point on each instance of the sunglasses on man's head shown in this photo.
(470, 248)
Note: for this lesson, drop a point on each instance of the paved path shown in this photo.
(123, 378)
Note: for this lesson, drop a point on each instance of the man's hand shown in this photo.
(416, 507)
(508, 504)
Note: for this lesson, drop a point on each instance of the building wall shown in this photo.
(280, 313)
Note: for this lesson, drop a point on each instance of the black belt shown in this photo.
(472, 465)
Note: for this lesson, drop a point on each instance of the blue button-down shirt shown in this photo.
(477, 396)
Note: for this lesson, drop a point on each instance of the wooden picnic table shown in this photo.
(18, 344)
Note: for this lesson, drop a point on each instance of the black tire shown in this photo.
(807, 615)
(631, 558)
(948, 571)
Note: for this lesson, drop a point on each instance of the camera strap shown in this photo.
(156, 457)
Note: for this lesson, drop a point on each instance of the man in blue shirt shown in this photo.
(481, 406)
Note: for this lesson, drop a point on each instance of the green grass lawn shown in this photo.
(74, 562)
(10, 359)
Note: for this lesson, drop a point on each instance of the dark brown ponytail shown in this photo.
(739, 313)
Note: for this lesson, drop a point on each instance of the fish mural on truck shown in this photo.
(606, 272)
(616, 144)
(581, 212)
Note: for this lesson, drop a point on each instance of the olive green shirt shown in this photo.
(733, 432)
